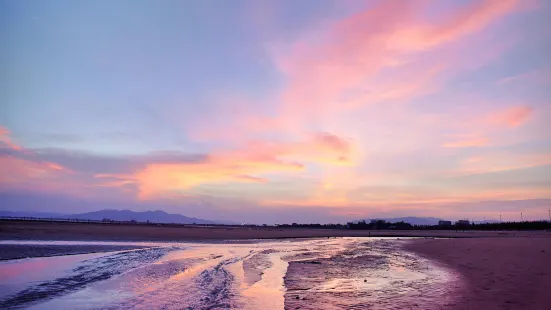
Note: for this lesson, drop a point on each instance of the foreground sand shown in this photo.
(500, 273)
(499, 270)
(15, 230)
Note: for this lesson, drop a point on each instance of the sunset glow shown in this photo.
(278, 111)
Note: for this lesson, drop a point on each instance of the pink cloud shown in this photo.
(20, 170)
(19, 173)
(358, 47)
(502, 162)
(6, 140)
(467, 142)
(483, 129)
(511, 117)
(387, 52)
(404, 199)
(467, 20)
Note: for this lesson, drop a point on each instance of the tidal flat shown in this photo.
(328, 273)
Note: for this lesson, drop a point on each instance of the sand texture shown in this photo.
(498, 273)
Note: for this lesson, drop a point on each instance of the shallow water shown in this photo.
(338, 273)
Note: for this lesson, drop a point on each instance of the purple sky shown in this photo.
(277, 111)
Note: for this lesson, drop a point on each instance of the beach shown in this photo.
(269, 267)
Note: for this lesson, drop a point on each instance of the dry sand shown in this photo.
(499, 273)
(15, 230)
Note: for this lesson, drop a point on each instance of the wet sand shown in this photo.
(500, 273)
(342, 273)
(509, 272)
(368, 275)
(17, 251)
(15, 230)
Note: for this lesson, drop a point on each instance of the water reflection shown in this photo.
(17, 274)
(310, 274)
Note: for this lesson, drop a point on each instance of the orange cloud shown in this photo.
(157, 179)
(251, 178)
(243, 165)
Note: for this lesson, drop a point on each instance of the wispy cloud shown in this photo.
(533, 77)
(511, 117)
(467, 142)
(466, 20)
(501, 161)
(356, 49)
(6, 140)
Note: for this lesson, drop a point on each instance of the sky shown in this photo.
(277, 111)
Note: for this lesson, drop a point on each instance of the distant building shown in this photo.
(444, 223)
(463, 223)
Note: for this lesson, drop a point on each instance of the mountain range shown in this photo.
(157, 216)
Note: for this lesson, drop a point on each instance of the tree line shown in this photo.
(382, 224)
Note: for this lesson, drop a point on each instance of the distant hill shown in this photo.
(409, 219)
(157, 216)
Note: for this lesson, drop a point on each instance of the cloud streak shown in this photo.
(511, 117)
(243, 165)
(5, 140)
